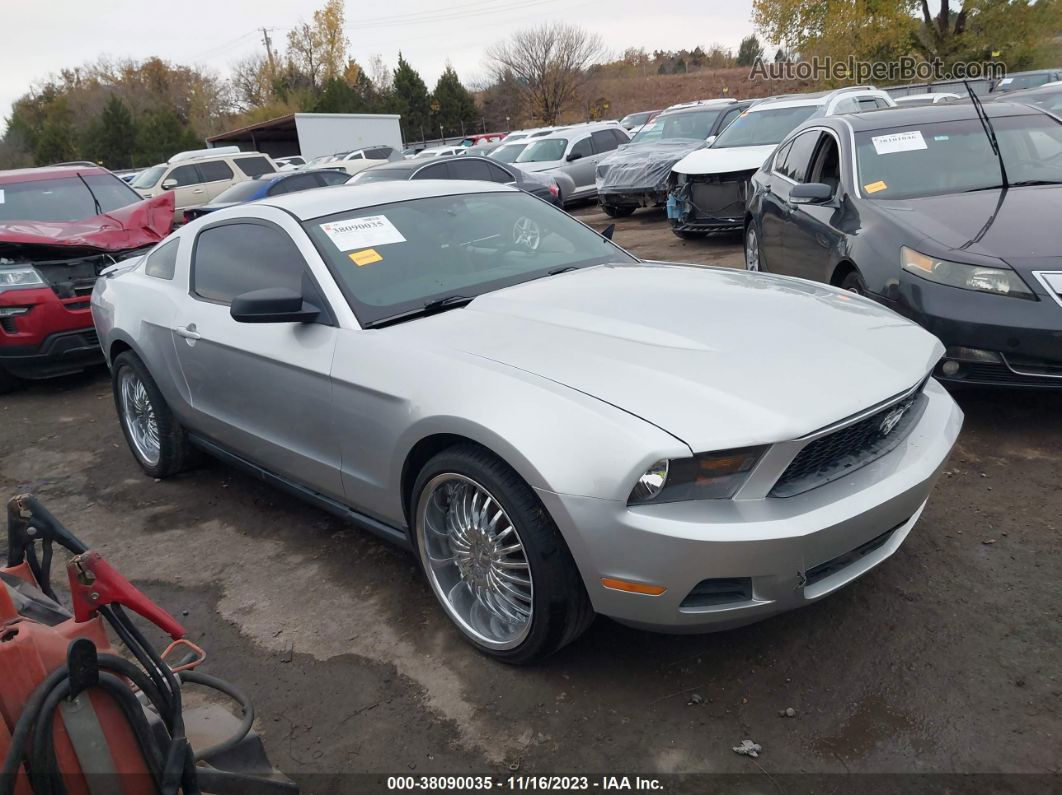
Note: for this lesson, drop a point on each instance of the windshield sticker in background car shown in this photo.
(1, 195)
(899, 142)
(359, 233)
(874, 187)
(366, 257)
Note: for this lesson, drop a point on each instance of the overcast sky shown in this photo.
(43, 37)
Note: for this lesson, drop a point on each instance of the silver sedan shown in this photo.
(555, 428)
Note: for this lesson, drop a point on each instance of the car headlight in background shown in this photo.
(707, 476)
(20, 277)
(1001, 281)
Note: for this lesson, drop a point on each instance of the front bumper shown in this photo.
(1026, 335)
(632, 197)
(761, 556)
(60, 354)
(54, 336)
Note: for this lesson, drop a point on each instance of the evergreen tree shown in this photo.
(411, 100)
(749, 51)
(56, 141)
(339, 97)
(162, 135)
(456, 109)
(114, 135)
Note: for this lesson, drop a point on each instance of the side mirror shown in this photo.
(273, 305)
(573, 156)
(810, 193)
(610, 230)
(169, 184)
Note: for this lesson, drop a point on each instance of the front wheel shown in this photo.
(495, 560)
(615, 211)
(157, 441)
(753, 253)
(853, 283)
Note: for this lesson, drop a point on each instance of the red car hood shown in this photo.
(133, 226)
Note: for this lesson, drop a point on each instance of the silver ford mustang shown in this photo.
(554, 427)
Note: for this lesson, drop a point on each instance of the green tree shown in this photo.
(457, 110)
(162, 135)
(113, 137)
(56, 142)
(339, 96)
(749, 50)
(410, 99)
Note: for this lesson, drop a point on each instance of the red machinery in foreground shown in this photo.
(76, 718)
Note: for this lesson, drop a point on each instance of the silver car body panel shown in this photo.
(579, 381)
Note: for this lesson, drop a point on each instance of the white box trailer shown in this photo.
(314, 134)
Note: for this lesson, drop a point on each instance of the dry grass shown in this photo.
(629, 94)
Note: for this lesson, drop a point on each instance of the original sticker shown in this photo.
(366, 257)
(1, 196)
(899, 142)
(1006, 81)
(359, 233)
(874, 187)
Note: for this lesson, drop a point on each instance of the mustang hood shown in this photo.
(718, 358)
(1008, 225)
(133, 226)
(721, 161)
(644, 165)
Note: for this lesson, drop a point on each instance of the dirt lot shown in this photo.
(943, 660)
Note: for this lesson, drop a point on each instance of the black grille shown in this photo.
(719, 591)
(8, 325)
(988, 373)
(839, 453)
(824, 570)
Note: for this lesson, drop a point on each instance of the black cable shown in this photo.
(237, 695)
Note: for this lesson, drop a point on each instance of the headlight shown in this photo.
(1001, 281)
(706, 476)
(19, 278)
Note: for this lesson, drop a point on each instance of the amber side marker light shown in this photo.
(633, 587)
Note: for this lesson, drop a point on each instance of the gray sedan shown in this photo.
(555, 428)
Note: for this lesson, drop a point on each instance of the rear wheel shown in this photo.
(157, 441)
(495, 560)
(615, 211)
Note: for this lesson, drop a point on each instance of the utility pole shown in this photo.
(269, 53)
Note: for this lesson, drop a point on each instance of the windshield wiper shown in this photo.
(432, 307)
(1027, 182)
(990, 131)
(565, 269)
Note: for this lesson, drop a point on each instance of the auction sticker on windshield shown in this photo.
(359, 233)
(899, 142)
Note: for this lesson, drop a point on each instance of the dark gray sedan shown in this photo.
(467, 167)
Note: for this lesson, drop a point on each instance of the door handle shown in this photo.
(188, 332)
(197, 190)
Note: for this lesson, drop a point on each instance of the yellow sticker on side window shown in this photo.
(366, 257)
(873, 187)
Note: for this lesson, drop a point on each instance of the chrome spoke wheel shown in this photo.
(752, 249)
(526, 234)
(138, 415)
(475, 560)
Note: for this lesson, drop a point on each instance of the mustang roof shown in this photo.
(313, 204)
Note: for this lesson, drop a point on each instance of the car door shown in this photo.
(263, 390)
(810, 233)
(216, 176)
(583, 167)
(790, 166)
(187, 186)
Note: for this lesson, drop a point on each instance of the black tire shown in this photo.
(614, 211)
(688, 234)
(561, 608)
(8, 382)
(175, 452)
(854, 283)
(751, 230)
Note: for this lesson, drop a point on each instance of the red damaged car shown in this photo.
(59, 228)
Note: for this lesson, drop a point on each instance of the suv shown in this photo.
(359, 159)
(60, 227)
(574, 151)
(707, 188)
(195, 178)
(636, 175)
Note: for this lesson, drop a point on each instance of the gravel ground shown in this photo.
(943, 660)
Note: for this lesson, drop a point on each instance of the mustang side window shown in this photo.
(233, 259)
(162, 262)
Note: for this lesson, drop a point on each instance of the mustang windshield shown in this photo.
(762, 127)
(693, 125)
(956, 156)
(392, 259)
